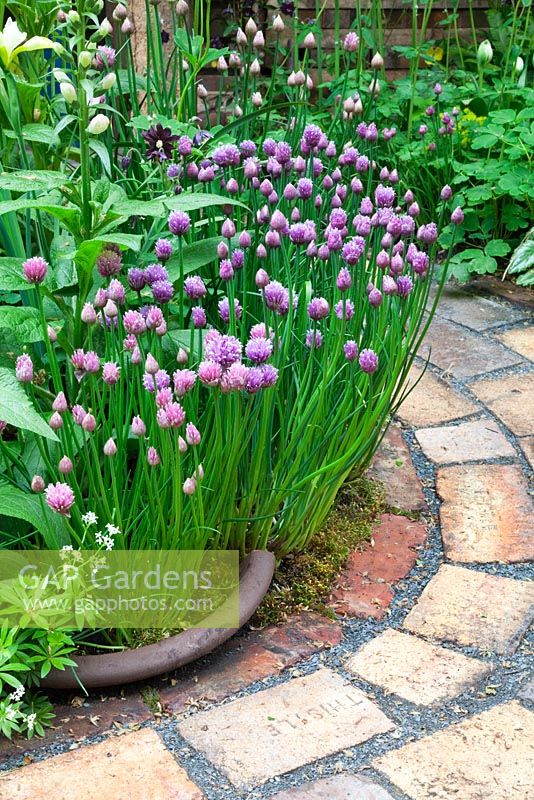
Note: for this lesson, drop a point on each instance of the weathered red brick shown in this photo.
(392, 465)
(364, 587)
(254, 656)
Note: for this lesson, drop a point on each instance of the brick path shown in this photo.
(420, 688)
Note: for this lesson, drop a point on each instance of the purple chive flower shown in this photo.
(350, 349)
(404, 285)
(192, 435)
(457, 216)
(60, 498)
(277, 297)
(259, 350)
(227, 155)
(344, 280)
(116, 292)
(152, 457)
(104, 57)
(338, 218)
(362, 224)
(302, 232)
(173, 171)
(318, 308)
(222, 349)
(91, 362)
(238, 258)
(224, 309)
(312, 136)
(234, 378)
(389, 286)
(185, 146)
(368, 361)
(24, 369)
(304, 188)
(60, 403)
(228, 229)
(351, 42)
(375, 297)
(164, 397)
(209, 373)
(155, 272)
(35, 269)
(136, 279)
(179, 222)
(78, 413)
(154, 318)
(134, 322)
(65, 465)
(138, 427)
(314, 339)
(344, 309)
(175, 415)
(162, 291)
(428, 233)
(446, 192)
(248, 148)
(269, 375)
(226, 270)
(194, 287)
(353, 250)
(109, 262)
(111, 373)
(184, 380)
(88, 314)
(198, 316)
(163, 249)
(245, 239)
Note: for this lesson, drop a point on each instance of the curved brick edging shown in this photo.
(439, 676)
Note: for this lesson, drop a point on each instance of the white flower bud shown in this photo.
(182, 9)
(222, 66)
(484, 53)
(300, 78)
(241, 37)
(73, 17)
(127, 27)
(377, 62)
(349, 104)
(60, 76)
(98, 124)
(68, 91)
(255, 68)
(202, 92)
(108, 81)
(374, 87)
(309, 82)
(257, 99)
(309, 41)
(106, 28)
(120, 12)
(182, 356)
(291, 81)
(84, 59)
(358, 106)
(519, 65)
(278, 24)
(259, 41)
(251, 28)
(238, 111)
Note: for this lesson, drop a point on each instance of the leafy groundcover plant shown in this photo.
(201, 368)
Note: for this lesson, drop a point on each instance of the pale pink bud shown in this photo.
(60, 403)
(190, 486)
(89, 423)
(151, 365)
(38, 484)
(110, 448)
(65, 465)
(56, 421)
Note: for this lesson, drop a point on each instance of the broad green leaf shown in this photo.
(195, 256)
(16, 408)
(102, 152)
(523, 258)
(23, 322)
(497, 247)
(11, 277)
(197, 200)
(62, 273)
(31, 180)
(485, 140)
(16, 503)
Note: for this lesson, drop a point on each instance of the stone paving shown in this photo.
(419, 686)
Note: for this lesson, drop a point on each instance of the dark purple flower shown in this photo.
(109, 262)
(136, 279)
(160, 142)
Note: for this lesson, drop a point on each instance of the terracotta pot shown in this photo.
(126, 666)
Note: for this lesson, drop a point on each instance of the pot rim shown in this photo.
(127, 666)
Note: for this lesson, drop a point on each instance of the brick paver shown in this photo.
(519, 339)
(364, 586)
(487, 513)
(279, 729)
(251, 658)
(339, 787)
(468, 441)
(392, 465)
(476, 313)
(511, 398)
(473, 608)
(463, 353)
(136, 766)
(527, 446)
(486, 757)
(416, 670)
(432, 401)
